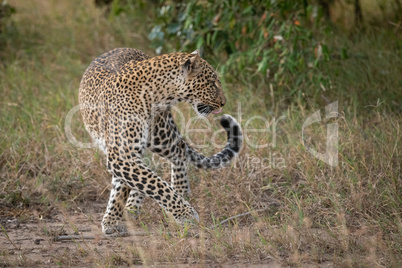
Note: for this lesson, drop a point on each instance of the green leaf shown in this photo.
(200, 42)
(156, 33)
(247, 10)
(173, 28)
(198, 18)
(325, 52)
(214, 35)
(263, 66)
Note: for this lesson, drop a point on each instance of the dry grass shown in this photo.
(316, 215)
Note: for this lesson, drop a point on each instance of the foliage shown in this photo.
(257, 36)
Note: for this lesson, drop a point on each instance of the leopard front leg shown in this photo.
(179, 182)
(139, 177)
(147, 183)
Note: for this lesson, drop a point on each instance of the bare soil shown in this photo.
(74, 238)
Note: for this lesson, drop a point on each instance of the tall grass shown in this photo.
(348, 215)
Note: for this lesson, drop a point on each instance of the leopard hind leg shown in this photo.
(112, 220)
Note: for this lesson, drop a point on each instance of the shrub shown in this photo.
(256, 37)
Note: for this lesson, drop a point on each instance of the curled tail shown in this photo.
(232, 148)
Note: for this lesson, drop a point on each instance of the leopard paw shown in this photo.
(187, 215)
(109, 228)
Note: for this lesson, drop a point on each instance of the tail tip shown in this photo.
(226, 121)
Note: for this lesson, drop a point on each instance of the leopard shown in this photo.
(126, 99)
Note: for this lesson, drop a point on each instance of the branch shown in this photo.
(237, 216)
(72, 237)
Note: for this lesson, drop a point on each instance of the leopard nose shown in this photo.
(223, 100)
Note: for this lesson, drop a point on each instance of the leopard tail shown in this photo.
(224, 157)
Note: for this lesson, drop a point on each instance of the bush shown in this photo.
(248, 36)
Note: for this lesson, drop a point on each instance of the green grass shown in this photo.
(349, 215)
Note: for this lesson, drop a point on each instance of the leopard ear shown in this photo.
(192, 65)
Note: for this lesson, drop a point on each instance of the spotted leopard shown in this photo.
(126, 99)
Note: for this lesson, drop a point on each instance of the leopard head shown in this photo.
(201, 84)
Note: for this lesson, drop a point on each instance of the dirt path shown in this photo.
(74, 238)
(68, 239)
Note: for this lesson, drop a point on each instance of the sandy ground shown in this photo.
(75, 239)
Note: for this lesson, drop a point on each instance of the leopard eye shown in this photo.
(216, 85)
